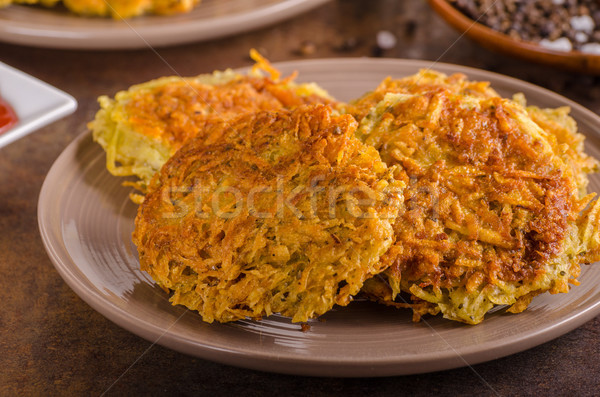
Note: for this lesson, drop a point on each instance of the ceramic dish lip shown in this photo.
(54, 104)
(487, 37)
(291, 363)
(144, 31)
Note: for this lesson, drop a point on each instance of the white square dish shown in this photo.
(36, 103)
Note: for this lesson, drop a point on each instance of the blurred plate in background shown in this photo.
(57, 28)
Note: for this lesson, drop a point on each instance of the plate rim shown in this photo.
(294, 364)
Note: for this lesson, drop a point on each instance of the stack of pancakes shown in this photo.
(260, 195)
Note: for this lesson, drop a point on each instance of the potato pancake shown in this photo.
(273, 212)
(142, 127)
(566, 141)
(492, 209)
(424, 81)
(431, 192)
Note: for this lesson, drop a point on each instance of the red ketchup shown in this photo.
(8, 117)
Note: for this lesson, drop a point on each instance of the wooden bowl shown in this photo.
(496, 41)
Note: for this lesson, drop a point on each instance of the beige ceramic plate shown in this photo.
(86, 222)
(57, 28)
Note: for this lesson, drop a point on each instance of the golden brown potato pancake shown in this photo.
(142, 127)
(566, 141)
(422, 82)
(495, 209)
(491, 208)
(273, 212)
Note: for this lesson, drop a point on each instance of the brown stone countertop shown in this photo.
(53, 343)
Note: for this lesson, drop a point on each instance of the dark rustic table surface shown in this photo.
(53, 343)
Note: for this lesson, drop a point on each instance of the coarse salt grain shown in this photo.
(581, 37)
(386, 40)
(591, 48)
(562, 44)
(558, 2)
(583, 23)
